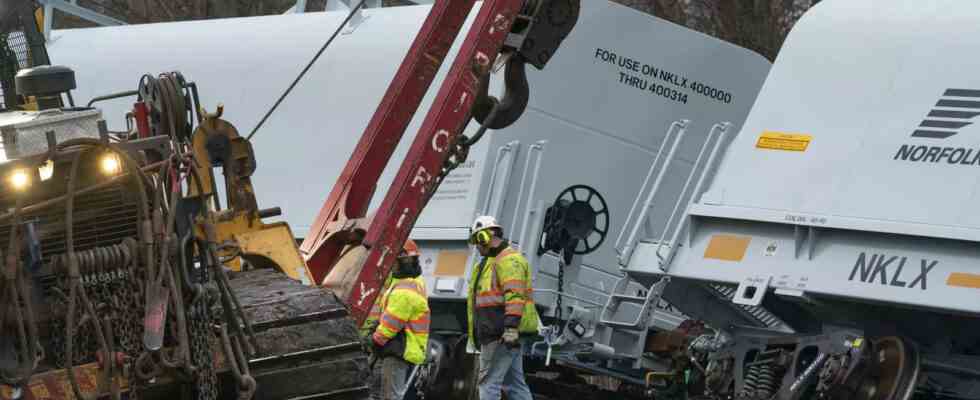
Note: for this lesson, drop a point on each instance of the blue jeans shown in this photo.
(394, 374)
(502, 370)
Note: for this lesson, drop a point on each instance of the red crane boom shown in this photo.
(351, 254)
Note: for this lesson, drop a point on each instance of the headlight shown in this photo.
(110, 163)
(46, 170)
(19, 179)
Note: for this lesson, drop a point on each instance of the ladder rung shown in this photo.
(623, 325)
(629, 299)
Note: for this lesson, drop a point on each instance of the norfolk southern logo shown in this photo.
(955, 110)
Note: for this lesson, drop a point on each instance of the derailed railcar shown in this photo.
(605, 114)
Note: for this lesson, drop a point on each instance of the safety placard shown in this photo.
(783, 141)
(964, 280)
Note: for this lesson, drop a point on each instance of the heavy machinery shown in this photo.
(833, 295)
(826, 252)
(640, 92)
(172, 269)
(117, 253)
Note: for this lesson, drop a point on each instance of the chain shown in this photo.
(84, 346)
(135, 299)
(422, 380)
(199, 323)
(109, 285)
(561, 285)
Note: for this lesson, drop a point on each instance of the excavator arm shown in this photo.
(351, 253)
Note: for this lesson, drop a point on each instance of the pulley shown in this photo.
(575, 224)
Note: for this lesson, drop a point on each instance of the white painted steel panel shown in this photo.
(862, 77)
(604, 132)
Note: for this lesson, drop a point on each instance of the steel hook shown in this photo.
(514, 101)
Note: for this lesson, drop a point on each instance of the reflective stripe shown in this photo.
(392, 322)
(420, 325)
(489, 299)
(514, 285)
(408, 285)
(515, 307)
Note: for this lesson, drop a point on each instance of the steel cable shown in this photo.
(275, 106)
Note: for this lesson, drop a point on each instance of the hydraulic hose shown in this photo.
(19, 292)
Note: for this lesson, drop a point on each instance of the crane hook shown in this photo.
(514, 101)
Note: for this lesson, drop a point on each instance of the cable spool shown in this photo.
(576, 224)
(169, 104)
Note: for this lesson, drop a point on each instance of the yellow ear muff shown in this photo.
(483, 238)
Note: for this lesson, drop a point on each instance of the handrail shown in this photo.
(627, 250)
(646, 181)
(722, 133)
(493, 174)
(530, 194)
(520, 191)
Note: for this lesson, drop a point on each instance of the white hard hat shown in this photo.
(483, 222)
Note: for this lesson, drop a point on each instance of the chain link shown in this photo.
(199, 324)
(118, 293)
(561, 285)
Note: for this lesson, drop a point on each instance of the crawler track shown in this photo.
(308, 346)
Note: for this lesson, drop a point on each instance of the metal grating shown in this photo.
(21, 46)
(101, 218)
(13, 57)
(763, 316)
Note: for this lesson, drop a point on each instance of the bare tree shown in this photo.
(758, 25)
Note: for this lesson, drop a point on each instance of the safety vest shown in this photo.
(500, 296)
(367, 328)
(404, 320)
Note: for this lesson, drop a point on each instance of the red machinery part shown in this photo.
(445, 121)
(142, 116)
(351, 195)
(341, 219)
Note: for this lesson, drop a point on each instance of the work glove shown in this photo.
(510, 336)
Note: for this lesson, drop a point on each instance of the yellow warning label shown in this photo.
(783, 141)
